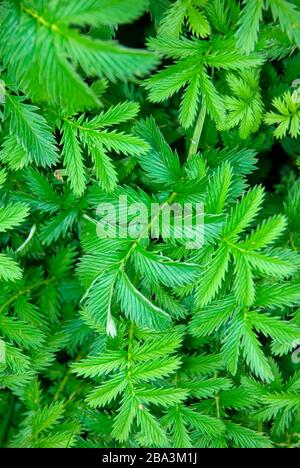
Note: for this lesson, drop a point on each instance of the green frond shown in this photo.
(246, 438)
(97, 12)
(288, 16)
(159, 162)
(244, 282)
(246, 108)
(9, 269)
(149, 221)
(286, 116)
(31, 131)
(159, 269)
(12, 215)
(249, 23)
(210, 318)
(285, 294)
(254, 355)
(245, 211)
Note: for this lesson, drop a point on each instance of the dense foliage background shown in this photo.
(138, 343)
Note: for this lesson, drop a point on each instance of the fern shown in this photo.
(287, 116)
(283, 11)
(191, 71)
(189, 12)
(245, 110)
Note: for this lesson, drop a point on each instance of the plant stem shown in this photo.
(197, 132)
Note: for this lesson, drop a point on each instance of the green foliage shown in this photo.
(246, 109)
(287, 116)
(111, 338)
